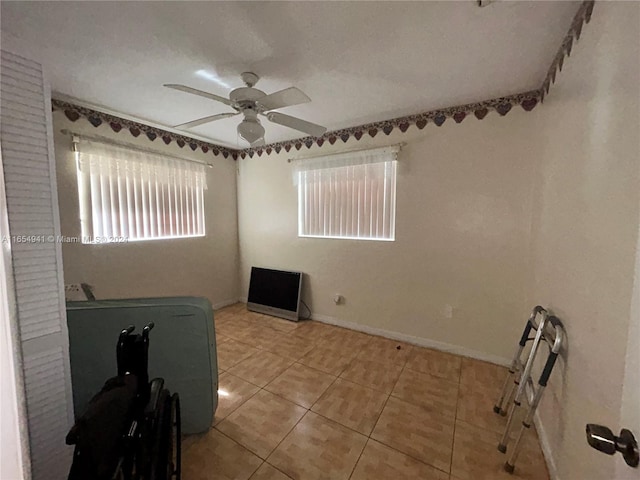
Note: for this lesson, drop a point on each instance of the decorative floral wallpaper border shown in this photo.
(502, 105)
(582, 17)
(117, 124)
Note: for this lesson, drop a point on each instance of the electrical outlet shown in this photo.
(73, 292)
(447, 311)
(72, 288)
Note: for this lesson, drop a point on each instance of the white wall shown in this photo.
(205, 266)
(462, 228)
(585, 231)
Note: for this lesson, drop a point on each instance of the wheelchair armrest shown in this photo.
(154, 394)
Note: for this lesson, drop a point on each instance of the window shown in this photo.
(351, 195)
(130, 195)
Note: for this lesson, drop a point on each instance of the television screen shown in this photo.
(274, 292)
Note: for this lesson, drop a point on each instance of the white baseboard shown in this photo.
(419, 341)
(226, 303)
(546, 447)
(403, 337)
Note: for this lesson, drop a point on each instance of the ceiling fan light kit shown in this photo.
(252, 102)
(250, 129)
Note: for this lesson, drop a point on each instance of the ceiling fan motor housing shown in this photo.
(245, 94)
(249, 78)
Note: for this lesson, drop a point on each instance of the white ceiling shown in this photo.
(358, 61)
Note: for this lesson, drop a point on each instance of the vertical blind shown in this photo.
(128, 195)
(348, 195)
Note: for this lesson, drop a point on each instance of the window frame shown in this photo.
(385, 157)
(127, 194)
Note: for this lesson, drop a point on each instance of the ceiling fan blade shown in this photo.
(203, 120)
(284, 98)
(296, 123)
(194, 91)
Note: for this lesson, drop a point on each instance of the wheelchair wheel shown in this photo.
(167, 451)
(176, 439)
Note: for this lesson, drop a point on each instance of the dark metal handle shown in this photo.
(548, 366)
(602, 438)
(531, 324)
(555, 321)
(128, 330)
(525, 333)
(147, 328)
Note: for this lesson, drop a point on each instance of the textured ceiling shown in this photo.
(359, 62)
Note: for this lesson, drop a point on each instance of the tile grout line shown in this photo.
(314, 368)
(291, 401)
(316, 344)
(317, 369)
(338, 423)
(285, 436)
(243, 447)
(368, 437)
(390, 447)
(455, 420)
(283, 439)
(280, 442)
(299, 420)
(355, 465)
(322, 395)
(377, 419)
(388, 397)
(276, 468)
(376, 424)
(242, 403)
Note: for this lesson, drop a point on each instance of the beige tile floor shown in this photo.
(308, 401)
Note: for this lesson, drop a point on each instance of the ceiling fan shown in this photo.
(252, 102)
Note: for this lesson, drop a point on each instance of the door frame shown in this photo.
(630, 409)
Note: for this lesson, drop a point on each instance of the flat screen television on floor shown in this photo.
(275, 292)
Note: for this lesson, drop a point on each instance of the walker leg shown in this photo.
(509, 466)
(509, 399)
(524, 378)
(504, 398)
(502, 446)
(513, 369)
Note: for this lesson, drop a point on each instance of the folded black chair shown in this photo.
(98, 433)
(131, 430)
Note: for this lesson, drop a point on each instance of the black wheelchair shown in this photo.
(131, 429)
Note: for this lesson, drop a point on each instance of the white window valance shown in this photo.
(359, 157)
(115, 161)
